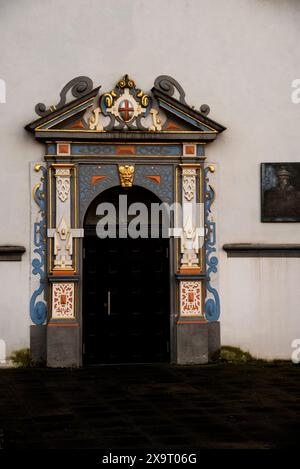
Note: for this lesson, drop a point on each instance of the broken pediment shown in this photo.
(125, 110)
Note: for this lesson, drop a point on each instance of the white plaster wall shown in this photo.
(260, 305)
(238, 56)
(14, 299)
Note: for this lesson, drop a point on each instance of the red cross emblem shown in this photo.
(126, 110)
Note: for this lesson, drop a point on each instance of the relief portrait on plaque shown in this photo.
(280, 192)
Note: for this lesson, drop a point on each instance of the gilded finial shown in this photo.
(126, 82)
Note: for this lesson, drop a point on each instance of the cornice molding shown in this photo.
(261, 250)
(11, 253)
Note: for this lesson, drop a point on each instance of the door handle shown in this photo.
(108, 303)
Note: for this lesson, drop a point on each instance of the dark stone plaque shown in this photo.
(280, 192)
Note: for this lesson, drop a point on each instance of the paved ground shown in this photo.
(154, 406)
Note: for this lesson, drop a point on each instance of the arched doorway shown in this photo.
(126, 298)
(93, 145)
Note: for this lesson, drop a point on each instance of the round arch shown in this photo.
(126, 288)
(95, 180)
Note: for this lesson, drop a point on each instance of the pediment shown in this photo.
(125, 110)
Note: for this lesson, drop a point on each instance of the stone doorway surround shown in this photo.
(121, 138)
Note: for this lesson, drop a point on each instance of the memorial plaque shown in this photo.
(280, 192)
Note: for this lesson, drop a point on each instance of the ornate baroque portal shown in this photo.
(128, 140)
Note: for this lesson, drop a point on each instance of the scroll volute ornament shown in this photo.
(126, 174)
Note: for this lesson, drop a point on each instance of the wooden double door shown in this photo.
(126, 300)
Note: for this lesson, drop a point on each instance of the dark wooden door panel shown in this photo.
(126, 300)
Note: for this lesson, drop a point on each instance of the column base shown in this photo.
(192, 343)
(38, 344)
(63, 346)
(214, 340)
(197, 342)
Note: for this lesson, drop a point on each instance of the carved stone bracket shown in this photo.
(63, 244)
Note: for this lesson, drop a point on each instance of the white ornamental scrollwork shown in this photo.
(189, 183)
(63, 183)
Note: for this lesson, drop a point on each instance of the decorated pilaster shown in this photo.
(192, 222)
(63, 235)
(191, 242)
(192, 329)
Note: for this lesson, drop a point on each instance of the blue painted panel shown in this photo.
(200, 150)
(87, 190)
(141, 150)
(164, 190)
(51, 149)
(92, 149)
(159, 150)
